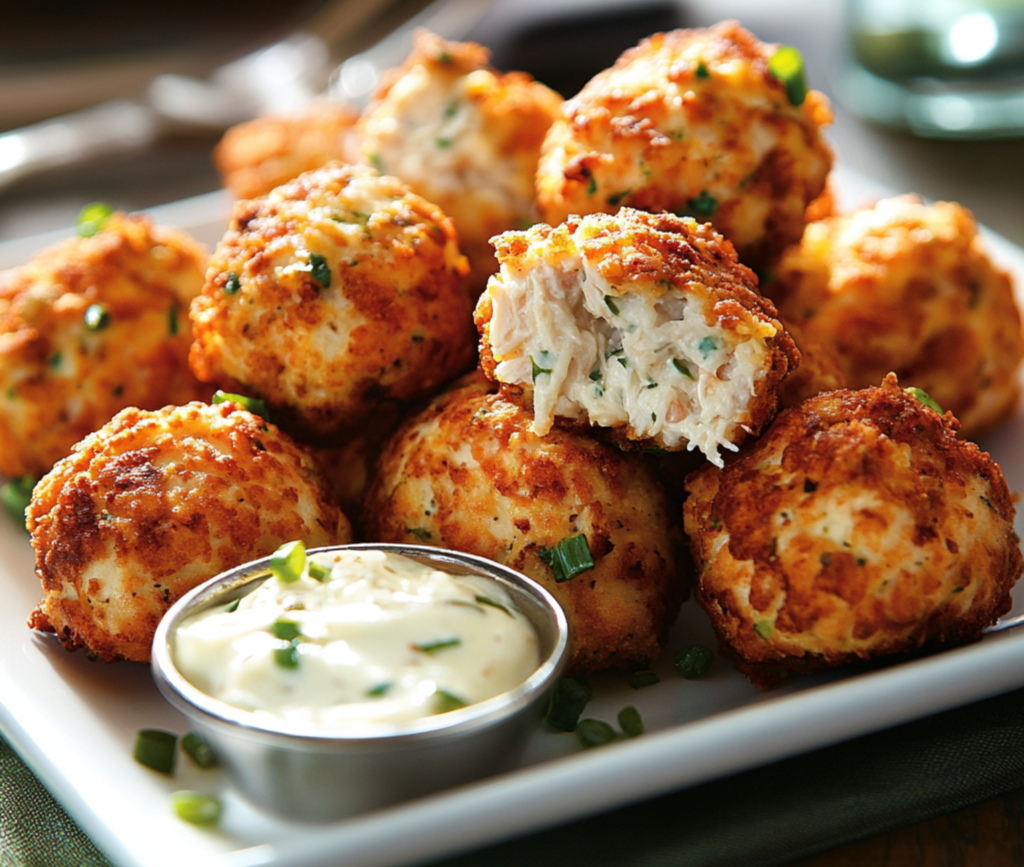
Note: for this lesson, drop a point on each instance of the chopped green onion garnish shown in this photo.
(640, 679)
(615, 198)
(444, 57)
(594, 733)
(288, 657)
(252, 404)
(592, 187)
(317, 571)
(445, 701)
(702, 70)
(922, 396)
(232, 606)
(623, 361)
(568, 558)
(682, 368)
(198, 750)
(55, 360)
(787, 65)
(376, 162)
(703, 205)
(420, 533)
(92, 217)
(764, 629)
(631, 722)
(319, 270)
(486, 600)
(172, 320)
(706, 347)
(569, 696)
(97, 317)
(156, 749)
(232, 284)
(693, 661)
(596, 374)
(17, 494)
(443, 143)
(433, 647)
(196, 807)
(288, 562)
(286, 630)
(378, 690)
(537, 369)
(611, 305)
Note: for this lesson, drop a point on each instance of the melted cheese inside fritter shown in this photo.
(635, 347)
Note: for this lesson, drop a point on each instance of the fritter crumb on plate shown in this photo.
(155, 503)
(468, 474)
(693, 122)
(857, 527)
(909, 288)
(89, 327)
(644, 324)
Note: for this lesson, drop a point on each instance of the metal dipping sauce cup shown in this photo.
(312, 773)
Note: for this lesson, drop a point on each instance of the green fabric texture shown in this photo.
(765, 817)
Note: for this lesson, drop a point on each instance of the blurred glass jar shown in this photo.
(940, 68)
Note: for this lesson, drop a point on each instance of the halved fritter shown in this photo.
(857, 526)
(645, 324)
(467, 473)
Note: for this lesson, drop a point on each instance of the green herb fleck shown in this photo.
(682, 368)
(594, 733)
(922, 397)
(715, 523)
(545, 358)
(376, 162)
(615, 198)
(592, 188)
(55, 360)
(444, 57)
(172, 320)
(286, 630)
(988, 503)
(97, 317)
(569, 697)
(378, 690)
(232, 284)
(319, 270)
(452, 109)
(156, 749)
(596, 374)
(432, 647)
(569, 558)
(198, 750)
(232, 606)
(787, 65)
(486, 600)
(651, 383)
(611, 305)
(445, 702)
(862, 561)
(623, 361)
(704, 205)
(288, 657)
(706, 347)
(196, 808)
(420, 533)
(92, 217)
(288, 562)
(702, 70)
(631, 722)
(764, 629)
(640, 679)
(443, 143)
(250, 404)
(693, 661)
(317, 571)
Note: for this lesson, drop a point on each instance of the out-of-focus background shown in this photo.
(958, 64)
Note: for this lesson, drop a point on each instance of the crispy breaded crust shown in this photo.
(391, 324)
(908, 287)
(258, 155)
(59, 380)
(155, 503)
(465, 137)
(691, 121)
(467, 474)
(655, 256)
(857, 527)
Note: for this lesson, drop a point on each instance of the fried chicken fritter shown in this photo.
(858, 526)
(89, 327)
(693, 122)
(907, 287)
(463, 136)
(336, 293)
(258, 155)
(642, 323)
(155, 503)
(468, 474)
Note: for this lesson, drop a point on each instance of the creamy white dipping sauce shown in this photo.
(381, 638)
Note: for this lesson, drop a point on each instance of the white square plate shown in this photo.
(74, 721)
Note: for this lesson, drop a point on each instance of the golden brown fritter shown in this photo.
(155, 503)
(644, 324)
(908, 287)
(858, 526)
(89, 327)
(333, 295)
(463, 136)
(256, 156)
(468, 474)
(693, 122)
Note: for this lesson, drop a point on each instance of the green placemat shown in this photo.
(767, 816)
